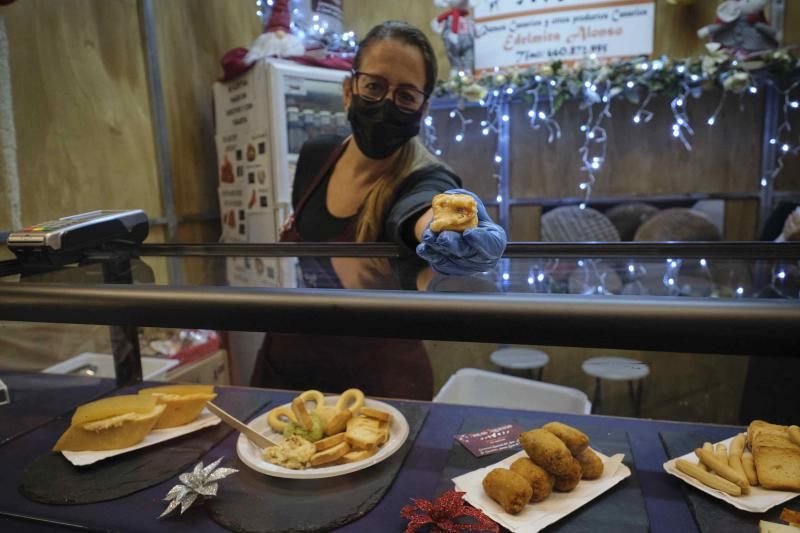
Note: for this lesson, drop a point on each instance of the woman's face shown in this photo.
(399, 63)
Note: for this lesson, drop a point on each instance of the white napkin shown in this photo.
(205, 419)
(537, 516)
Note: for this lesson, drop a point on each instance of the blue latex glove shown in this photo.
(476, 250)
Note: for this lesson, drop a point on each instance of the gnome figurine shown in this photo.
(741, 28)
(458, 33)
(277, 39)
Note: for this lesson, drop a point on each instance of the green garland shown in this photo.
(626, 78)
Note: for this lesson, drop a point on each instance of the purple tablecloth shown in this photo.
(666, 507)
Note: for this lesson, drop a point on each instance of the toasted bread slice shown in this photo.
(329, 442)
(300, 413)
(759, 427)
(366, 433)
(357, 455)
(330, 455)
(338, 422)
(776, 457)
(376, 413)
(121, 431)
(183, 402)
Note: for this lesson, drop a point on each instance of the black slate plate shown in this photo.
(711, 514)
(620, 509)
(255, 502)
(33, 405)
(52, 479)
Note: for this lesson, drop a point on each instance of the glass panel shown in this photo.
(313, 108)
(604, 276)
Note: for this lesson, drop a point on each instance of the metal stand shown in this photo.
(125, 338)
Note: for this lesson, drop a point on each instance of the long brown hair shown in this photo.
(413, 155)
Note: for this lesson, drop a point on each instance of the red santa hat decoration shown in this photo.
(277, 39)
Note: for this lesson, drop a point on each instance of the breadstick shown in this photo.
(707, 478)
(709, 448)
(737, 444)
(722, 468)
(721, 451)
(735, 458)
(749, 466)
(794, 434)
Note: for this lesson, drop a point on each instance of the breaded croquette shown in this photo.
(591, 464)
(541, 482)
(576, 440)
(547, 451)
(570, 480)
(507, 488)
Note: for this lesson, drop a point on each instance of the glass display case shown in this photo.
(664, 302)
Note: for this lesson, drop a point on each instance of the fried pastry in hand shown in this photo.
(454, 212)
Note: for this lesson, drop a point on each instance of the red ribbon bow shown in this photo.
(456, 13)
(443, 515)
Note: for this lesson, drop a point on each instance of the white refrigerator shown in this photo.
(262, 119)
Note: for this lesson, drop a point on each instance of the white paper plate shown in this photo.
(758, 501)
(536, 516)
(250, 454)
(205, 419)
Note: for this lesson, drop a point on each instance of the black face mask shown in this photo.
(380, 128)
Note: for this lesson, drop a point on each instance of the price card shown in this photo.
(491, 440)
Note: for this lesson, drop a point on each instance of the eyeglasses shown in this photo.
(374, 88)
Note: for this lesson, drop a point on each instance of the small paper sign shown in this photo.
(491, 440)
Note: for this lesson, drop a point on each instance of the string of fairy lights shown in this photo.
(596, 85)
(314, 30)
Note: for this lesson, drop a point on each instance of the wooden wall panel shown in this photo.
(741, 220)
(192, 37)
(789, 178)
(473, 158)
(791, 23)
(643, 159)
(361, 15)
(81, 108)
(525, 223)
(676, 27)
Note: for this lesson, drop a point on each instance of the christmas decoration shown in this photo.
(596, 84)
(277, 39)
(458, 33)
(200, 482)
(741, 27)
(317, 25)
(446, 514)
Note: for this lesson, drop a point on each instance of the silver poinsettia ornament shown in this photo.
(199, 482)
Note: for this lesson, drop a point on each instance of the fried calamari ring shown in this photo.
(351, 395)
(276, 422)
(313, 396)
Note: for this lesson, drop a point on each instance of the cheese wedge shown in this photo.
(113, 433)
(183, 402)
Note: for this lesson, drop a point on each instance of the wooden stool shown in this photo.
(617, 369)
(520, 360)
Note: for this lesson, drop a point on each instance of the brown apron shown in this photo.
(396, 368)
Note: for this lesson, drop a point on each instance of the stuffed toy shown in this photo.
(741, 28)
(458, 33)
(277, 39)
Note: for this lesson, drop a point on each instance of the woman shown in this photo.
(375, 186)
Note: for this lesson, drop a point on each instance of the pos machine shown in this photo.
(102, 244)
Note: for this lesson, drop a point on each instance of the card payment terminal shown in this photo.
(66, 240)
